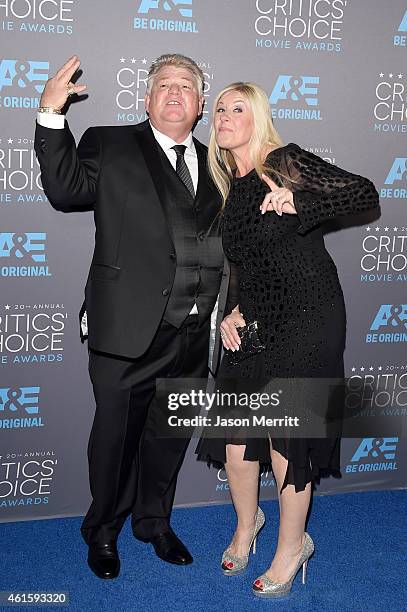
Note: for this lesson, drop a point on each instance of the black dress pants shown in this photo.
(131, 469)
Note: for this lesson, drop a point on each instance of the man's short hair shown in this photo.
(178, 61)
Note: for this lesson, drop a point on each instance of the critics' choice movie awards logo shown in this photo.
(389, 324)
(20, 175)
(325, 152)
(295, 97)
(20, 80)
(400, 39)
(384, 254)
(131, 84)
(266, 480)
(32, 333)
(306, 25)
(374, 455)
(390, 110)
(395, 183)
(377, 391)
(20, 408)
(39, 16)
(23, 254)
(165, 16)
(26, 479)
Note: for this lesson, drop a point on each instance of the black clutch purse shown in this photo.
(250, 343)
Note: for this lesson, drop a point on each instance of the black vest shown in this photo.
(194, 227)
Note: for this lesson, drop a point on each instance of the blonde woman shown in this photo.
(284, 279)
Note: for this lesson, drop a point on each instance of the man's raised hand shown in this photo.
(59, 87)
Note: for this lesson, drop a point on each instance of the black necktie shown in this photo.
(182, 169)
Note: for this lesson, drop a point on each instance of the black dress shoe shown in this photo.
(170, 548)
(103, 560)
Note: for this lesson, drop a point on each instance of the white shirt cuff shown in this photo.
(50, 120)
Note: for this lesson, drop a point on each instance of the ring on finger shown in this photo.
(70, 90)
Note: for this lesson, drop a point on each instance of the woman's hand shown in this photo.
(58, 88)
(228, 333)
(280, 199)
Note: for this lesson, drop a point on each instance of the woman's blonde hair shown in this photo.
(263, 139)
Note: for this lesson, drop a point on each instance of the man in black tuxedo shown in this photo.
(152, 285)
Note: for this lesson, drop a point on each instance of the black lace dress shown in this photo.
(283, 277)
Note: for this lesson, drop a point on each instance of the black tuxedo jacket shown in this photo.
(115, 171)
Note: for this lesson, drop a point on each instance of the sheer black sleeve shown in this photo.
(232, 299)
(323, 191)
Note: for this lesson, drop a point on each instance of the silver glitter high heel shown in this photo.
(233, 565)
(264, 587)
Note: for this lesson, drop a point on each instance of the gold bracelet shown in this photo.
(49, 109)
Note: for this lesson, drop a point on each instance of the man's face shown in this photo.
(174, 101)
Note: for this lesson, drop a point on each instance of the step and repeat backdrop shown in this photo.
(336, 75)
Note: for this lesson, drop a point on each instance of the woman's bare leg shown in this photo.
(243, 478)
(293, 514)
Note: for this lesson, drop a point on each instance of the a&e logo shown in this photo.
(19, 408)
(374, 455)
(389, 324)
(397, 173)
(24, 77)
(168, 5)
(24, 249)
(295, 97)
(181, 13)
(400, 40)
